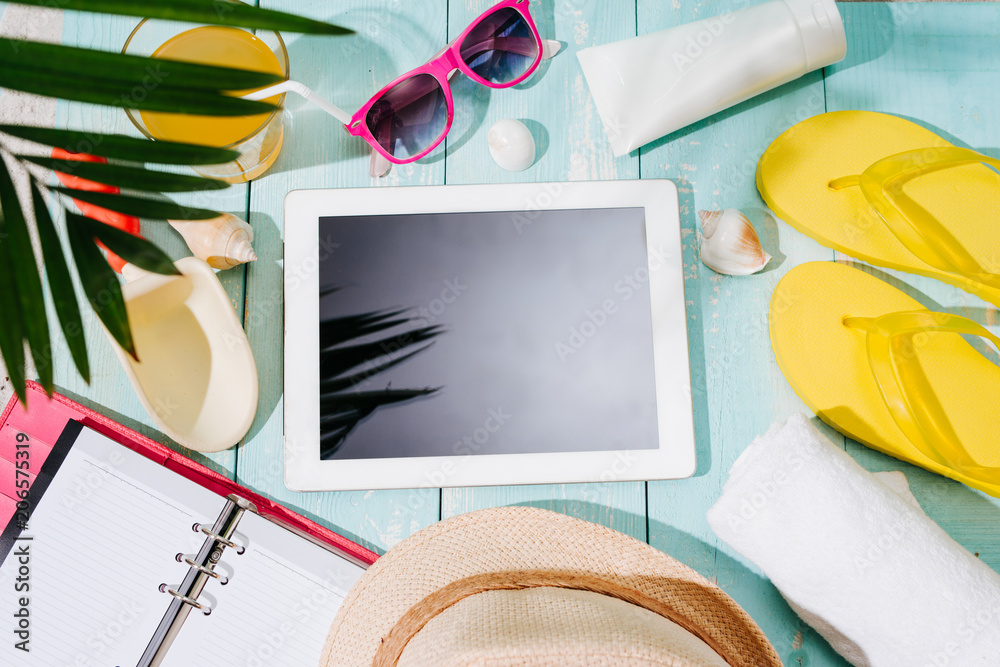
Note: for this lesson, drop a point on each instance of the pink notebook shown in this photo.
(130, 553)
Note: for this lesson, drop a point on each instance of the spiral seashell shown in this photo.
(223, 242)
(729, 243)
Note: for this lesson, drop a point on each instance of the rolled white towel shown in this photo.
(855, 557)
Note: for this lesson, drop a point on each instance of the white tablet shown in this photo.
(485, 335)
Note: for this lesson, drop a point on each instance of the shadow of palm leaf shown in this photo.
(352, 352)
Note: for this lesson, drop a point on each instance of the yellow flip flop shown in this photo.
(877, 366)
(889, 192)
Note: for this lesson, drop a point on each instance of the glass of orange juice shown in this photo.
(257, 138)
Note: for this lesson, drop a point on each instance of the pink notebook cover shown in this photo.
(45, 419)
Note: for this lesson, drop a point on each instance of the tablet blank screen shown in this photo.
(485, 333)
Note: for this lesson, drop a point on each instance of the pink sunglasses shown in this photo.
(411, 116)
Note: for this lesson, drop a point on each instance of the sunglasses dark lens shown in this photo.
(501, 47)
(409, 117)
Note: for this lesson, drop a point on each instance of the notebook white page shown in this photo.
(276, 609)
(106, 535)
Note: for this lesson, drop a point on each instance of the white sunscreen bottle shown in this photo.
(647, 87)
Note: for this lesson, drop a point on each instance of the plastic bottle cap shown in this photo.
(822, 31)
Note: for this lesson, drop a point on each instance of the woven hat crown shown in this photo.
(528, 586)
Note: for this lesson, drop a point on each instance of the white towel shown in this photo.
(856, 559)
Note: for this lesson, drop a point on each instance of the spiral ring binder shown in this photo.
(186, 600)
(221, 539)
(201, 570)
(207, 570)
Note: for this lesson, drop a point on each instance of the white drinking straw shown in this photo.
(304, 91)
(550, 47)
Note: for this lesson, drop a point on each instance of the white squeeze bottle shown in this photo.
(647, 87)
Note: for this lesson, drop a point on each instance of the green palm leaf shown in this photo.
(129, 247)
(129, 70)
(101, 286)
(27, 280)
(60, 284)
(216, 12)
(112, 79)
(122, 147)
(124, 94)
(139, 206)
(133, 178)
(12, 330)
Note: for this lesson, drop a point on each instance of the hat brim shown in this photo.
(509, 540)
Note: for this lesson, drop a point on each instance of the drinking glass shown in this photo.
(261, 144)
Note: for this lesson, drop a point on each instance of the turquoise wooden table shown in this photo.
(934, 63)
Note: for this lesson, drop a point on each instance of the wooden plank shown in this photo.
(557, 107)
(737, 388)
(391, 38)
(110, 391)
(925, 62)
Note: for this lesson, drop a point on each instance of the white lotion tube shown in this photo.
(647, 87)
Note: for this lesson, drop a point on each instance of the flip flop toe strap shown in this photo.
(919, 231)
(906, 390)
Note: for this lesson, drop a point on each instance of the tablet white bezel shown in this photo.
(673, 459)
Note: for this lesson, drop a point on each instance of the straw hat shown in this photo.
(525, 586)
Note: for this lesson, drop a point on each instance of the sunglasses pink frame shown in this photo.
(441, 67)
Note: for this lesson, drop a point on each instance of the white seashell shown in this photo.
(511, 145)
(729, 243)
(223, 242)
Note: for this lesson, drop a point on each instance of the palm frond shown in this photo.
(122, 147)
(60, 284)
(139, 206)
(216, 12)
(114, 93)
(109, 79)
(101, 286)
(26, 279)
(126, 69)
(131, 248)
(132, 178)
(12, 331)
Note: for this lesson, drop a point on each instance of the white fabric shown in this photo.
(896, 481)
(857, 559)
